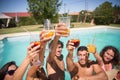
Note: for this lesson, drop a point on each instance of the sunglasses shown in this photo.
(11, 72)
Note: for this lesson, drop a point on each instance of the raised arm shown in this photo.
(98, 58)
(31, 72)
(32, 53)
(69, 59)
(52, 49)
(43, 41)
(58, 32)
(92, 49)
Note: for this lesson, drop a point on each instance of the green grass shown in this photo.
(21, 29)
(115, 25)
(79, 25)
(40, 27)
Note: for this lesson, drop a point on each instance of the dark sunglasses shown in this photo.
(11, 72)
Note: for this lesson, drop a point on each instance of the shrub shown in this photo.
(12, 23)
(26, 21)
(103, 20)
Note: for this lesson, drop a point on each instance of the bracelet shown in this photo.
(95, 52)
(37, 63)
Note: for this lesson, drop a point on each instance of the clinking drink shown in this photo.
(76, 42)
(49, 34)
(67, 31)
(36, 43)
(91, 48)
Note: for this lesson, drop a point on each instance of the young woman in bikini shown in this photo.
(109, 57)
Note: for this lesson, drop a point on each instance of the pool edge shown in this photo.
(37, 32)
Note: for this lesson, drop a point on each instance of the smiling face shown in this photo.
(83, 57)
(59, 50)
(10, 72)
(108, 55)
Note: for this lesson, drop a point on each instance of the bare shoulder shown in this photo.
(95, 64)
(76, 63)
(92, 63)
(97, 68)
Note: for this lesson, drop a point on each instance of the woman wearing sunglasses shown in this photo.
(7, 71)
(10, 71)
(36, 70)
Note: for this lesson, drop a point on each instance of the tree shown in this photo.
(116, 14)
(82, 15)
(104, 13)
(44, 9)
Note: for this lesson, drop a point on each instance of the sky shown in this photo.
(67, 6)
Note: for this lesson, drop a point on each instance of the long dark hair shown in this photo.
(4, 69)
(116, 58)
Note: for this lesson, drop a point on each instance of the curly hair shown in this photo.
(116, 58)
(4, 69)
(118, 65)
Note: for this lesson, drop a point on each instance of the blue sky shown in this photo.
(78, 5)
(68, 5)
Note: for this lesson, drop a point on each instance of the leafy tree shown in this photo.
(44, 9)
(82, 15)
(26, 21)
(104, 12)
(116, 14)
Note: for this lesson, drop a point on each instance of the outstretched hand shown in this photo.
(62, 30)
(42, 37)
(70, 46)
(33, 51)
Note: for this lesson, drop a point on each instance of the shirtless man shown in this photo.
(55, 63)
(84, 69)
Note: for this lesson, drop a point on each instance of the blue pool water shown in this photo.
(15, 48)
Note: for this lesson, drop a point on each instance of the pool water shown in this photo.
(15, 48)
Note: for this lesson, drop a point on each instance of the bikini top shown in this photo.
(59, 75)
(109, 68)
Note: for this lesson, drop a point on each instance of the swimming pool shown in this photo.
(15, 48)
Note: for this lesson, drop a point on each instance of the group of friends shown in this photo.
(83, 69)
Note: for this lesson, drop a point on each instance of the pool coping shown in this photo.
(17, 34)
(37, 32)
